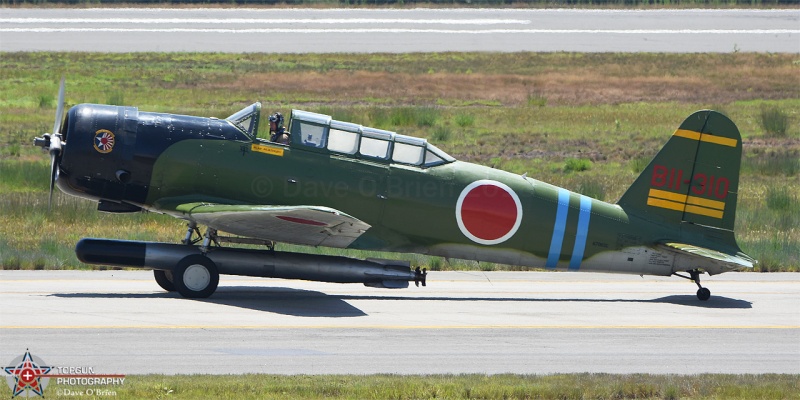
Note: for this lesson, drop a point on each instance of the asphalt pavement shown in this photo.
(463, 322)
(397, 30)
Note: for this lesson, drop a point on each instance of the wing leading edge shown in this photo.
(304, 225)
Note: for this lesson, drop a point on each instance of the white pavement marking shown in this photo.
(266, 21)
(410, 30)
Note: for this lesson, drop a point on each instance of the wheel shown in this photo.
(703, 294)
(195, 277)
(164, 279)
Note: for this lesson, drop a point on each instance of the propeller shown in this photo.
(53, 142)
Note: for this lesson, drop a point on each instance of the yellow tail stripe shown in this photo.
(689, 204)
(718, 140)
(704, 137)
(671, 205)
(663, 194)
(719, 205)
(688, 134)
(704, 211)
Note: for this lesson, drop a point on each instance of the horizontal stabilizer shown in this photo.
(721, 261)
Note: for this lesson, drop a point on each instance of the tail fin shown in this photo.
(694, 179)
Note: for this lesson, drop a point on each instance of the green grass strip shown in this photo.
(466, 386)
(589, 122)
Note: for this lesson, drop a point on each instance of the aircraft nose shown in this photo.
(100, 163)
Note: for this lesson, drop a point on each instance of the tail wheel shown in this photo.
(703, 294)
(164, 279)
(195, 276)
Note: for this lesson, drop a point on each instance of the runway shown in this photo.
(120, 322)
(235, 30)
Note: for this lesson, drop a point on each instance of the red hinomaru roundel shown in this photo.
(488, 212)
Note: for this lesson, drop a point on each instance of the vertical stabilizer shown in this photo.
(694, 178)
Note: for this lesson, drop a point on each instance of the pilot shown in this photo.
(277, 132)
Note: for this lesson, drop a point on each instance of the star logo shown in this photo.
(104, 141)
(27, 376)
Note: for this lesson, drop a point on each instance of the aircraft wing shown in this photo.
(306, 225)
(716, 262)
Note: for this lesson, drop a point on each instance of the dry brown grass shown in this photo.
(574, 87)
(506, 79)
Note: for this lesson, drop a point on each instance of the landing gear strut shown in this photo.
(191, 231)
(420, 276)
(694, 275)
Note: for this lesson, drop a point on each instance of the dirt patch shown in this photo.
(555, 88)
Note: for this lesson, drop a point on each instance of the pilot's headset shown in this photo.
(278, 119)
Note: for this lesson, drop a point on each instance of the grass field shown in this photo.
(569, 386)
(588, 122)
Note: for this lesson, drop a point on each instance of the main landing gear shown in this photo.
(196, 275)
(193, 268)
(694, 275)
(164, 279)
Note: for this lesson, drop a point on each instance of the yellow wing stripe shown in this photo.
(689, 204)
(704, 137)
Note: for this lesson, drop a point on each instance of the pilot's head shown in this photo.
(275, 121)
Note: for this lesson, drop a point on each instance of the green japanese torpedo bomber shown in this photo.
(339, 184)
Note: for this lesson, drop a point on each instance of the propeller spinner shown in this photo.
(53, 142)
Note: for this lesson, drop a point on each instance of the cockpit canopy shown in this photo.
(247, 119)
(320, 131)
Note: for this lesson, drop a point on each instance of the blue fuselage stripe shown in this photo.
(558, 229)
(583, 231)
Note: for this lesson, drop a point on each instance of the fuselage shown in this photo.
(446, 208)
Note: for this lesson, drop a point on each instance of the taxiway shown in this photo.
(235, 30)
(463, 322)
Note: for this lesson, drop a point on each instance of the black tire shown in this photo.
(195, 277)
(164, 279)
(703, 294)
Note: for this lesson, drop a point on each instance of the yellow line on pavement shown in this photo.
(400, 327)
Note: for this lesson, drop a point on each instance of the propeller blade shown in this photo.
(59, 109)
(53, 171)
(55, 142)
